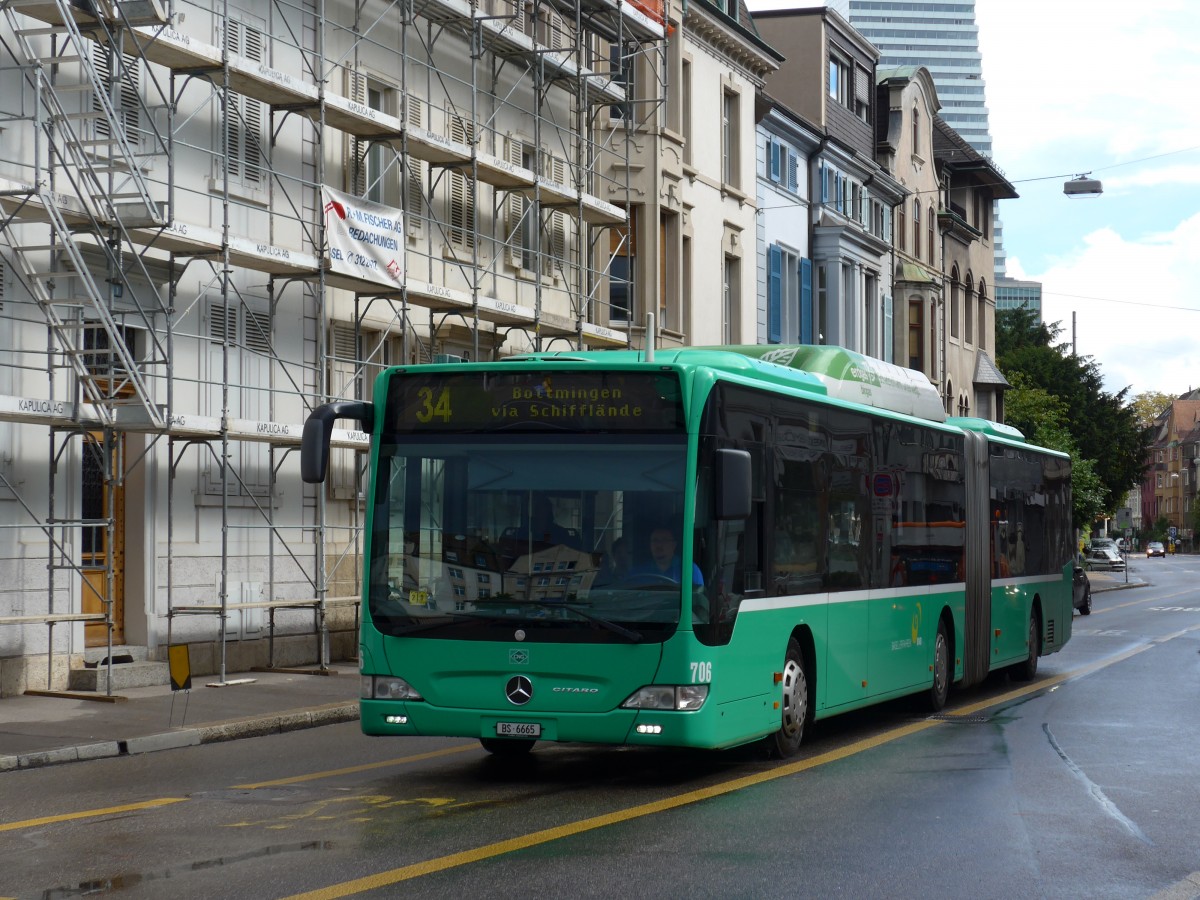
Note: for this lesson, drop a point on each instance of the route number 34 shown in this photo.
(701, 673)
(434, 407)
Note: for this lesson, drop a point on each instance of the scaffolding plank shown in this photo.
(34, 410)
(358, 119)
(176, 50)
(601, 336)
(601, 212)
(49, 12)
(502, 174)
(434, 148)
(274, 86)
(25, 202)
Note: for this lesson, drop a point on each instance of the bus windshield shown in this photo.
(507, 523)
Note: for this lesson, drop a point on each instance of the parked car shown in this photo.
(1105, 558)
(1082, 589)
(1155, 548)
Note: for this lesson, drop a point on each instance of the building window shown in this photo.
(916, 132)
(622, 257)
(461, 196)
(685, 109)
(839, 81)
(929, 230)
(729, 300)
(244, 118)
(621, 69)
(955, 301)
(729, 138)
(969, 334)
(917, 228)
(982, 313)
(916, 334)
(901, 229)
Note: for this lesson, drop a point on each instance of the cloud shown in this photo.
(1129, 305)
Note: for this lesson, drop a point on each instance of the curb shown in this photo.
(232, 730)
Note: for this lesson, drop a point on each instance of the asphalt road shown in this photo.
(1083, 784)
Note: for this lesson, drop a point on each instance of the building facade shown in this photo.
(785, 147)
(828, 80)
(904, 142)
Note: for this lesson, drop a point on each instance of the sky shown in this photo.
(1101, 87)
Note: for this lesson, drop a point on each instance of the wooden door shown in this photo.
(98, 553)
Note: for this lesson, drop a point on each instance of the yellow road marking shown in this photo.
(90, 813)
(366, 767)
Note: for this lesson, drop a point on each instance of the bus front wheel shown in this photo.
(786, 741)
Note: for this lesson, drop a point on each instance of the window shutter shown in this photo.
(773, 152)
(356, 178)
(414, 170)
(793, 171)
(806, 317)
(517, 205)
(462, 193)
(774, 294)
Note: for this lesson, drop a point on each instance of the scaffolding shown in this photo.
(169, 309)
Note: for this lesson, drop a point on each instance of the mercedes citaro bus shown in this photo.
(802, 530)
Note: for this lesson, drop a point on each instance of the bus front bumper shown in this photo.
(651, 728)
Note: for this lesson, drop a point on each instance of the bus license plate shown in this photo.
(518, 729)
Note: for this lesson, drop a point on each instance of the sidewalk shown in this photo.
(41, 731)
(1114, 581)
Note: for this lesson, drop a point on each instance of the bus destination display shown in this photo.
(573, 401)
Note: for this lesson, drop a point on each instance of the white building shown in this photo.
(216, 219)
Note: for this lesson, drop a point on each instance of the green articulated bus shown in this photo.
(700, 547)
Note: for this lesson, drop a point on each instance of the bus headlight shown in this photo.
(666, 696)
(387, 687)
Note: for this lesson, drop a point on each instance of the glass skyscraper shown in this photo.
(942, 36)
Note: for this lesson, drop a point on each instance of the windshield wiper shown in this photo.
(627, 633)
(633, 636)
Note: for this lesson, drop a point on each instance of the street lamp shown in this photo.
(1081, 186)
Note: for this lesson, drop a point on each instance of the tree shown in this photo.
(1148, 405)
(1104, 427)
(1044, 420)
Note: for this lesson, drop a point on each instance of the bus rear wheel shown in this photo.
(786, 741)
(940, 689)
(506, 746)
(1027, 670)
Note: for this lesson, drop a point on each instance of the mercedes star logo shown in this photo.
(519, 690)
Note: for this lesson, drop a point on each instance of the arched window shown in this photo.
(955, 303)
(969, 309)
(982, 313)
(901, 229)
(917, 229)
(916, 132)
(929, 231)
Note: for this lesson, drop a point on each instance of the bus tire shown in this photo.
(786, 741)
(506, 746)
(1027, 670)
(940, 689)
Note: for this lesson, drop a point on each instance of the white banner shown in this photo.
(365, 239)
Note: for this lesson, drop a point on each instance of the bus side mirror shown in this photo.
(318, 429)
(733, 484)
